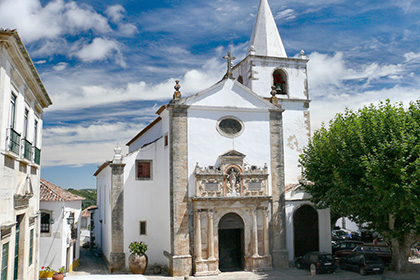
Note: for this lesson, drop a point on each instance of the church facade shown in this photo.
(204, 184)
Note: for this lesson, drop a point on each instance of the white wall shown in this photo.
(14, 169)
(206, 144)
(103, 229)
(148, 200)
(53, 246)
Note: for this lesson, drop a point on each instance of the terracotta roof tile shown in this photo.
(86, 212)
(50, 192)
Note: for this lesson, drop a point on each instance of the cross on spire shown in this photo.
(229, 59)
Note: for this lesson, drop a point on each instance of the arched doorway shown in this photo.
(231, 243)
(306, 232)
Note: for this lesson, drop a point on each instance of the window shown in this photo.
(45, 222)
(144, 170)
(12, 110)
(143, 230)
(4, 261)
(230, 126)
(166, 139)
(31, 246)
(25, 124)
(35, 133)
(280, 82)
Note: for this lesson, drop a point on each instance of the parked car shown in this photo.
(345, 248)
(339, 235)
(363, 262)
(320, 261)
(383, 251)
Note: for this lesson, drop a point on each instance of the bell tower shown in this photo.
(266, 68)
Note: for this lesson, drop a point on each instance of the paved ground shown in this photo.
(93, 265)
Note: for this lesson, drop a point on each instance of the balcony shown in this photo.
(37, 155)
(27, 150)
(14, 143)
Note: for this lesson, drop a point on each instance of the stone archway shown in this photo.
(231, 243)
(306, 230)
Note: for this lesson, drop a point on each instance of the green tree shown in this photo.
(366, 166)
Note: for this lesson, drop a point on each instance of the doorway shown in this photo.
(306, 230)
(231, 243)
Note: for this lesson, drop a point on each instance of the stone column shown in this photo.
(210, 239)
(197, 237)
(180, 260)
(117, 256)
(278, 220)
(266, 233)
(255, 233)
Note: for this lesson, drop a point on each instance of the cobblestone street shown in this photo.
(93, 265)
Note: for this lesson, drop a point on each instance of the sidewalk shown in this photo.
(93, 265)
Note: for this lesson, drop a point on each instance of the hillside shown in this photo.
(89, 194)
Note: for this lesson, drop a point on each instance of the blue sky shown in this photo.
(109, 65)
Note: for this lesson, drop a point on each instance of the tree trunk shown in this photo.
(401, 252)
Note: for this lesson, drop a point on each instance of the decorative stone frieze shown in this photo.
(232, 178)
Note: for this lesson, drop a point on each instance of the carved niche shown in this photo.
(231, 178)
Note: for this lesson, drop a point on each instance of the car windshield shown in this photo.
(372, 259)
(326, 258)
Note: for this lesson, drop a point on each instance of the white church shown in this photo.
(212, 184)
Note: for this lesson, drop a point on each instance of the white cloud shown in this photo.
(79, 145)
(35, 22)
(97, 94)
(287, 14)
(115, 13)
(100, 49)
(324, 69)
(60, 66)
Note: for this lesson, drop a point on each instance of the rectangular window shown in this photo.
(25, 124)
(166, 140)
(12, 110)
(143, 228)
(31, 246)
(35, 133)
(4, 261)
(45, 222)
(144, 169)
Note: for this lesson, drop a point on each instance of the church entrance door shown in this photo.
(231, 243)
(306, 233)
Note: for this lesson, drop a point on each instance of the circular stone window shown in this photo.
(230, 126)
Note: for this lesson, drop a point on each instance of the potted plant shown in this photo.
(46, 272)
(59, 275)
(138, 259)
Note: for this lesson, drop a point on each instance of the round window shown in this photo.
(230, 126)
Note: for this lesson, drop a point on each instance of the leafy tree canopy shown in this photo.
(366, 165)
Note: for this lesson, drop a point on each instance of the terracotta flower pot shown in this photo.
(58, 276)
(137, 263)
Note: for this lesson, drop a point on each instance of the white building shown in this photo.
(60, 227)
(204, 184)
(22, 100)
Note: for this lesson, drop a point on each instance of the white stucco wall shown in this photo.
(295, 138)
(103, 214)
(206, 144)
(14, 169)
(54, 245)
(148, 200)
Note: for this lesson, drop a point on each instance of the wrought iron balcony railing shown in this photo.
(14, 141)
(37, 155)
(27, 150)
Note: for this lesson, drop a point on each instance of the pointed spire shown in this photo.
(265, 39)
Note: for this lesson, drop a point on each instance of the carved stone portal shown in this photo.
(231, 178)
